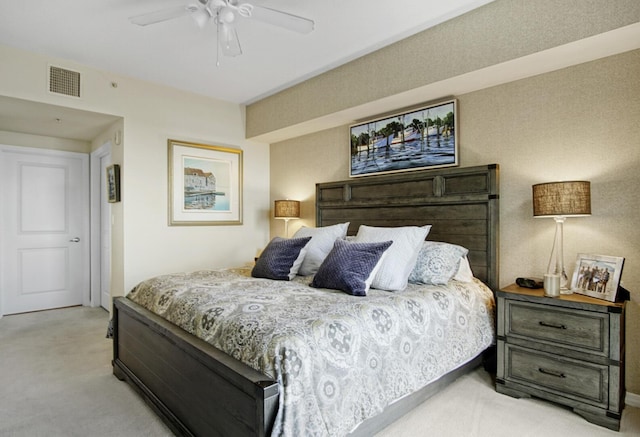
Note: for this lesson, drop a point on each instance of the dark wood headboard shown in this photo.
(461, 204)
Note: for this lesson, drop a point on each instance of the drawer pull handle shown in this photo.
(551, 372)
(552, 325)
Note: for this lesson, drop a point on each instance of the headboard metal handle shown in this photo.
(346, 192)
(438, 186)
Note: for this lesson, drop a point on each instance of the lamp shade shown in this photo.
(562, 199)
(287, 209)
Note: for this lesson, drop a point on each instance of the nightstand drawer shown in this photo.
(584, 382)
(583, 330)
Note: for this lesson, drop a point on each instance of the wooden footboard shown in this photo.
(194, 387)
(200, 391)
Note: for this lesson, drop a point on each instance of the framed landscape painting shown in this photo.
(597, 276)
(418, 139)
(205, 184)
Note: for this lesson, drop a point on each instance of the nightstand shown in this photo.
(569, 350)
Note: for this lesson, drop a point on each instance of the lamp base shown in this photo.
(556, 261)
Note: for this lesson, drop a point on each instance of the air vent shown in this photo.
(63, 81)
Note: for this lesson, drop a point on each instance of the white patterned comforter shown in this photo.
(338, 359)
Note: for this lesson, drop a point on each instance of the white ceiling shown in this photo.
(97, 33)
(178, 53)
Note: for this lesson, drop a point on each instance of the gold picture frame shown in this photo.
(205, 184)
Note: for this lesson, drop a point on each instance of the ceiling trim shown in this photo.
(610, 43)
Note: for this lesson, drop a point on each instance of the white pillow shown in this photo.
(400, 258)
(321, 243)
(464, 273)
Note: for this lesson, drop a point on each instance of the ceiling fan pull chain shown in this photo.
(217, 45)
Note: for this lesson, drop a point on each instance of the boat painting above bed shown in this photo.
(422, 138)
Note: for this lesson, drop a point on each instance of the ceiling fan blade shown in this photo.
(161, 15)
(228, 40)
(282, 19)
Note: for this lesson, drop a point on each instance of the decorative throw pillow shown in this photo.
(400, 257)
(350, 267)
(321, 243)
(281, 259)
(437, 263)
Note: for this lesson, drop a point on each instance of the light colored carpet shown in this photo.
(56, 380)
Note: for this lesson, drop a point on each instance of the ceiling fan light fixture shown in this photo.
(226, 15)
(201, 17)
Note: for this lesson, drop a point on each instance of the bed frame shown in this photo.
(199, 390)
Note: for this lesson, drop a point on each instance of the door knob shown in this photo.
(75, 240)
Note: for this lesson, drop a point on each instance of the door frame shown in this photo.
(85, 237)
(96, 226)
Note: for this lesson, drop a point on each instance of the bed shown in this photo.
(199, 390)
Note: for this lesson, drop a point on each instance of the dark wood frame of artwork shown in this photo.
(396, 153)
(113, 183)
(198, 390)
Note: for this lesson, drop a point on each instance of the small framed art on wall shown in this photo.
(113, 183)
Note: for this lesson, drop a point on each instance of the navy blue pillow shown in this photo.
(281, 259)
(349, 266)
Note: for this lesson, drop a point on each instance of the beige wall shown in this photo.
(577, 123)
(509, 39)
(143, 243)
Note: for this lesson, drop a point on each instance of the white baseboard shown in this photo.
(632, 400)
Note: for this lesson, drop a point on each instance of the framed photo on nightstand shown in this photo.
(597, 276)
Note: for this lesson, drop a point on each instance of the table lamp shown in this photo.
(561, 200)
(287, 210)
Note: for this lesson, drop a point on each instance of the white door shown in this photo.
(45, 209)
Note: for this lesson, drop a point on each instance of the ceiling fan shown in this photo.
(224, 14)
